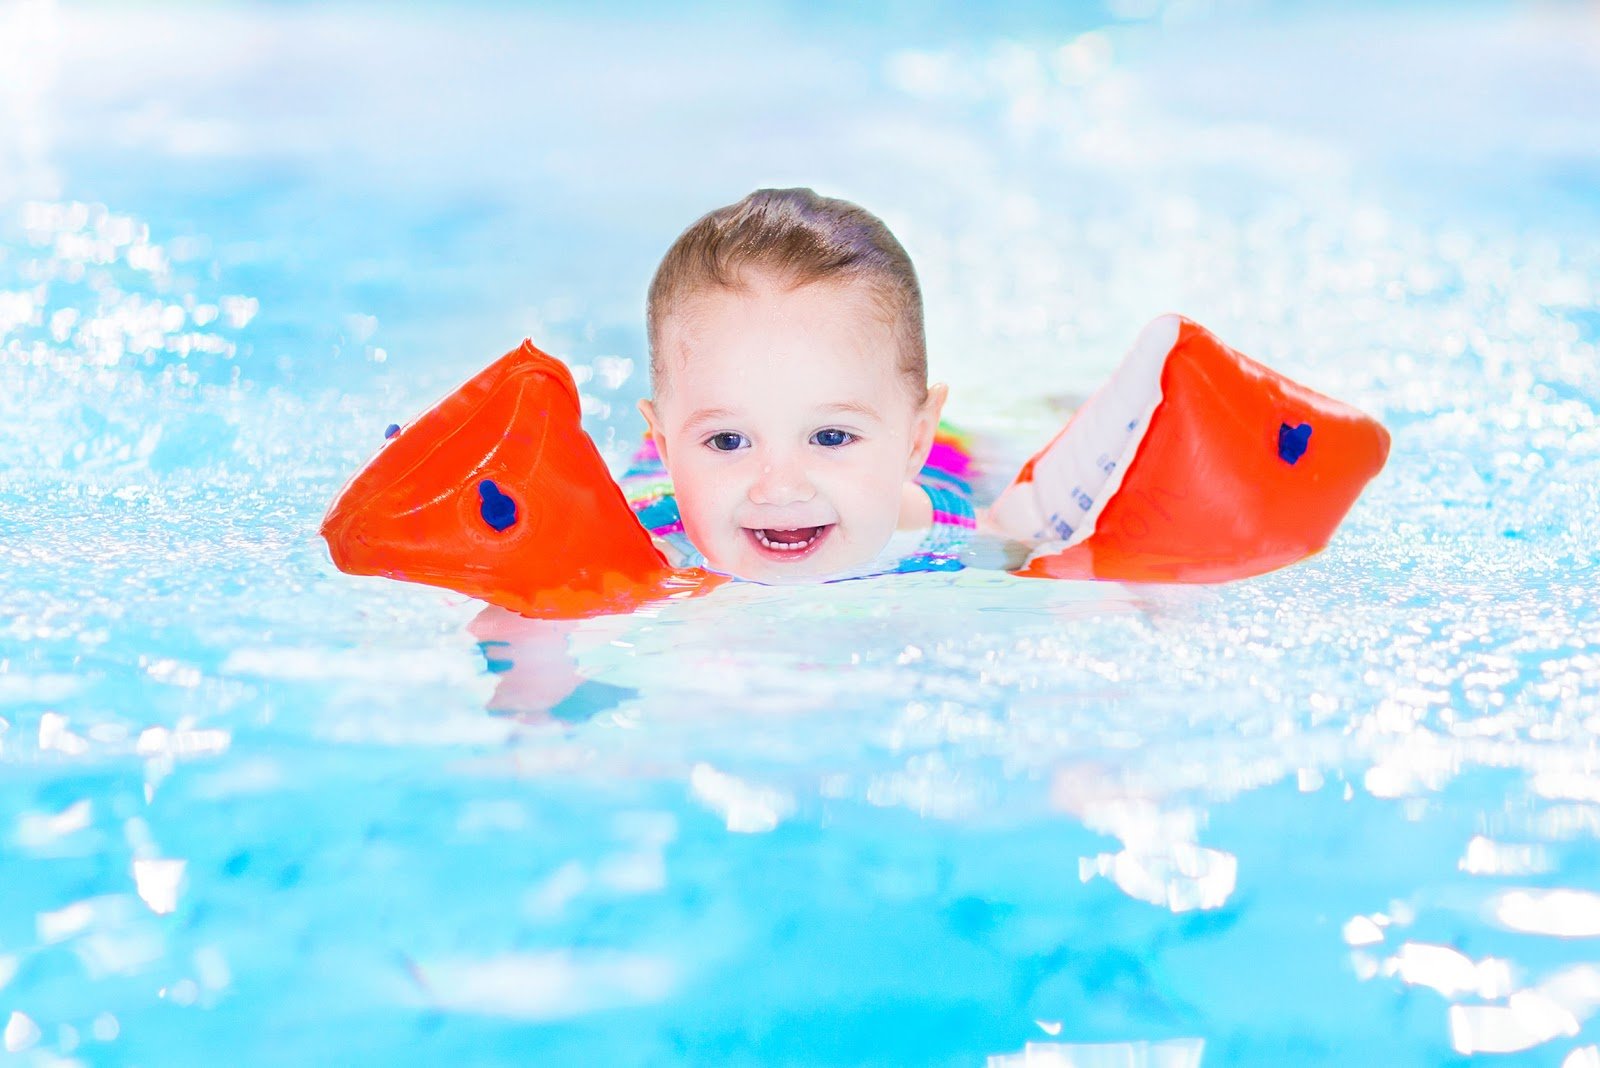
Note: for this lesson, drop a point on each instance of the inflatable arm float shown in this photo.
(497, 492)
(1192, 464)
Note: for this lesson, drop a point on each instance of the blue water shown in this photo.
(253, 809)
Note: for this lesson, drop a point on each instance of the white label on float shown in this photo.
(1082, 469)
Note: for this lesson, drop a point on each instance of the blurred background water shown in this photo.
(252, 808)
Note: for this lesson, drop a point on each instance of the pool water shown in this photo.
(254, 809)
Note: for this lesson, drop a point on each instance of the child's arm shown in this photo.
(988, 527)
(993, 549)
(674, 555)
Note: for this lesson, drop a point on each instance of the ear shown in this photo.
(923, 427)
(653, 421)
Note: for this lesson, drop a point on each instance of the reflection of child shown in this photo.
(791, 408)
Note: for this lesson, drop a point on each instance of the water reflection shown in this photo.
(536, 677)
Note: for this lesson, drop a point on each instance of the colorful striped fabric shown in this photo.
(943, 478)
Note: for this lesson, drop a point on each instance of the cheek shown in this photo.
(871, 491)
(705, 497)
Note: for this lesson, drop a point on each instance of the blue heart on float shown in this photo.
(1292, 442)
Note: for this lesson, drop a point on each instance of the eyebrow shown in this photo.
(708, 415)
(853, 408)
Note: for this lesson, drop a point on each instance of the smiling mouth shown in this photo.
(788, 545)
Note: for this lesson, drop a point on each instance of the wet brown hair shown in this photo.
(801, 238)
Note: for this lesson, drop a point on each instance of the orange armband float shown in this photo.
(497, 492)
(1193, 463)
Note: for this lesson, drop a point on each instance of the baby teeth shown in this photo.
(785, 547)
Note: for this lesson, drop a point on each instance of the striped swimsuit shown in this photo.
(943, 478)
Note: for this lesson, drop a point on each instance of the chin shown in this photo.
(787, 576)
(820, 568)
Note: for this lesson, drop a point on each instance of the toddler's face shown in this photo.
(787, 427)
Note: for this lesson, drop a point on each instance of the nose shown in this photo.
(781, 479)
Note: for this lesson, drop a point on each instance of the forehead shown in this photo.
(767, 336)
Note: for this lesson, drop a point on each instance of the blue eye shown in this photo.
(832, 438)
(727, 441)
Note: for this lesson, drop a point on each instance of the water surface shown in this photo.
(253, 807)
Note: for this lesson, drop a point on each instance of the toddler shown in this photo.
(791, 419)
(794, 436)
